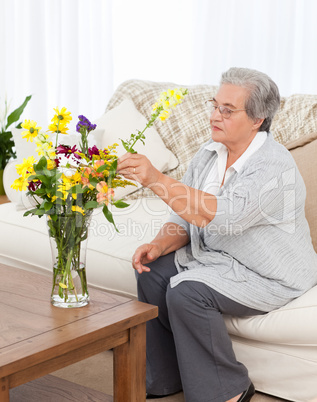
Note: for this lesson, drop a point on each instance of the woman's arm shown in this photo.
(194, 206)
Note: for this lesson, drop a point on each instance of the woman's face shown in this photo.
(237, 131)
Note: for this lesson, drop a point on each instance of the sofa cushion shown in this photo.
(296, 117)
(304, 152)
(124, 120)
(286, 325)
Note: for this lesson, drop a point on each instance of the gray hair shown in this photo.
(264, 97)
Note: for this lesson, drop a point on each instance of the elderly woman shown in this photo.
(236, 243)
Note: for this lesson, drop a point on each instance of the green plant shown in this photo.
(6, 139)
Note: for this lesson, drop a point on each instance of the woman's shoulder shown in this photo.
(272, 161)
(273, 153)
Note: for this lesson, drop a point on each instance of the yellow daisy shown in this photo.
(26, 166)
(20, 184)
(76, 208)
(31, 130)
(61, 116)
(58, 128)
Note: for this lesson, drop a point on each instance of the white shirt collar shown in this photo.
(222, 150)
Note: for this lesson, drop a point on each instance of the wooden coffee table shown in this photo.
(37, 338)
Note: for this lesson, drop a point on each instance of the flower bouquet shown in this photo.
(67, 183)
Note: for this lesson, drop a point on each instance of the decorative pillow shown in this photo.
(304, 152)
(125, 119)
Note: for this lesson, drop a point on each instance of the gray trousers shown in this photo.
(188, 346)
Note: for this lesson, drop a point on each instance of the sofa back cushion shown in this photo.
(296, 117)
(304, 152)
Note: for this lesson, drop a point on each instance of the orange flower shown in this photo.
(85, 177)
(104, 193)
(97, 164)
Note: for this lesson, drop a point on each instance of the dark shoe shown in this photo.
(151, 396)
(247, 395)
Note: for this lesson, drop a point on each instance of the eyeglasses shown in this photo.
(223, 110)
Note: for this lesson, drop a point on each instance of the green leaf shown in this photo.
(101, 168)
(112, 172)
(32, 177)
(120, 204)
(15, 115)
(91, 205)
(109, 216)
(45, 180)
(40, 191)
(35, 211)
(48, 206)
(128, 147)
(93, 181)
(38, 167)
(49, 173)
(125, 145)
(27, 213)
(77, 189)
(39, 212)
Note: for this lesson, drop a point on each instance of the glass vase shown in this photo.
(68, 239)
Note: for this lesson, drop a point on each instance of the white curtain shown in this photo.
(74, 53)
(58, 51)
(278, 37)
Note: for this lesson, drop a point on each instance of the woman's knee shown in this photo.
(177, 298)
(161, 270)
(186, 297)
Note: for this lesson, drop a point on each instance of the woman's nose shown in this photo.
(215, 115)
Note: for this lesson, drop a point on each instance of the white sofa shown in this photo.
(280, 348)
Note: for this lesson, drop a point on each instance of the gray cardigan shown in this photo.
(257, 250)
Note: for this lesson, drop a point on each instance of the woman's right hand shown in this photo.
(143, 255)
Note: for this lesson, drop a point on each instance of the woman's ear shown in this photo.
(258, 123)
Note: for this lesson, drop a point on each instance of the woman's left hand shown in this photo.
(138, 167)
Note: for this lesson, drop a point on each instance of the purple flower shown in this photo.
(84, 125)
(66, 150)
(93, 151)
(34, 185)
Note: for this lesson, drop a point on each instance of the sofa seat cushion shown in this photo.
(24, 242)
(284, 326)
